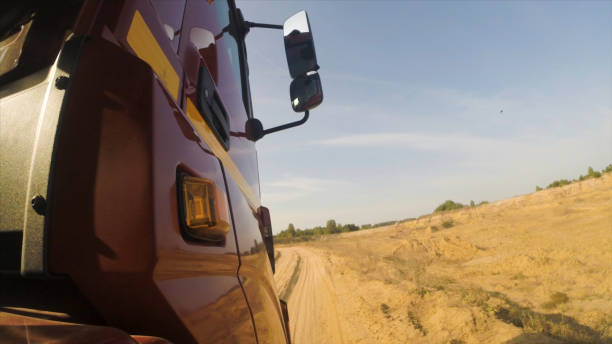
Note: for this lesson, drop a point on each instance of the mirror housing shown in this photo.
(306, 92)
(299, 45)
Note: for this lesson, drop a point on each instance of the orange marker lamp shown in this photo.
(199, 210)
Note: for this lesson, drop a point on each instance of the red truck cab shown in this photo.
(130, 200)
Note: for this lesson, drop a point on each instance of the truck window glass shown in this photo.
(170, 15)
(207, 27)
(231, 49)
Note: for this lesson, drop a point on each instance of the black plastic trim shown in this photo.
(212, 109)
(237, 30)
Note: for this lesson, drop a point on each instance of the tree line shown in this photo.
(591, 173)
(292, 234)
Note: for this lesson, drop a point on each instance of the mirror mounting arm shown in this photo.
(255, 131)
(264, 26)
(240, 28)
(288, 125)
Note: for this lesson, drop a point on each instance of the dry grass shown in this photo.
(385, 309)
(448, 224)
(530, 269)
(556, 299)
(416, 323)
(557, 326)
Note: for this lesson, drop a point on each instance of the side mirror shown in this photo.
(306, 92)
(305, 89)
(299, 45)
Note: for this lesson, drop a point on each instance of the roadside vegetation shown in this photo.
(556, 326)
(591, 173)
(451, 205)
(295, 235)
(528, 270)
(292, 235)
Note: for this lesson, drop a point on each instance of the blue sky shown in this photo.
(413, 93)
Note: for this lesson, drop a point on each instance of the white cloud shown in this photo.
(358, 78)
(425, 141)
(295, 187)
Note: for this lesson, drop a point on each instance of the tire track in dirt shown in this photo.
(293, 280)
(313, 314)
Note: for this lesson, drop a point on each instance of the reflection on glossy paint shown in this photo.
(23, 329)
(255, 270)
(203, 289)
(213, 300)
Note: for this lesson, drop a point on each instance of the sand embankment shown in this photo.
(529, 269)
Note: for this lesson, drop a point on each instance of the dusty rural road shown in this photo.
(304, 283)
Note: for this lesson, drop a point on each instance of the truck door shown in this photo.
(199, 277)
(215, 80)
(124, 148)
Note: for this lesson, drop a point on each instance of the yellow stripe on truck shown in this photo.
(204, 131)
(141, 40)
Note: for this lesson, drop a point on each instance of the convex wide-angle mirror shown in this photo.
(306, 92)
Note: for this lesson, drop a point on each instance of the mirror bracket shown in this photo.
(240, 28)
(245, 26)
(255, 131)
(263, 26)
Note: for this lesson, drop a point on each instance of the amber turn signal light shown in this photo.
(198, 202)
(198, 207)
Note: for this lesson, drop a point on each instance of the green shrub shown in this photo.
(558, 183)
(555, 300)
(448, 224)
(592, 173)
(381, 224)
(448, 205)
(385, 309)
(421, 291)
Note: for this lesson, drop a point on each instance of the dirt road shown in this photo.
(305, 284)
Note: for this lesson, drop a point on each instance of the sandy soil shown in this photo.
(310, 295)
(530, 269)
